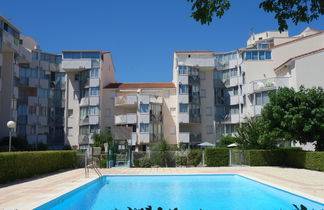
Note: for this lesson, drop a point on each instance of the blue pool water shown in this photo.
(185, 192)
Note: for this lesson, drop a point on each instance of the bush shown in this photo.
(20, 165)
(216, 157)
(303, 159)
(227, 140)
(194, 157)
(264, 157)
(181, 160)
(144, 162)
(103, 163)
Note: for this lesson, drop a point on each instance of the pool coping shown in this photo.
(242, 174)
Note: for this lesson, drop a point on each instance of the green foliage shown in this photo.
(303, 159)
(103, 163)
(144, 162)
(181, 160)
(264, 157)
(20, 165)
(100, 139)
(252, 135)
(227, 140)
(204, 10)
(216, 157)
(297, 10)
(194, 157)
(296, 116)
(161, 154)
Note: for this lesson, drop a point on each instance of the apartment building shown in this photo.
(226, 89)
(139, 114)
(53, 98)
(87, 73)
(62, 99)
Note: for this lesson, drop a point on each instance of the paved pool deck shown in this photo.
(31, 193)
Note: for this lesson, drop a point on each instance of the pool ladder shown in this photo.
(91, 165)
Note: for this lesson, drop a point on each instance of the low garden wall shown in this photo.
(20, 165)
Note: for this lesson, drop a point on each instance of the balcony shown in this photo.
(70, 65)
(84, 121)
(10, 43)
(126, 100)
(236, 100)
(184, 117)
(144, 138)
(85, 139)
(183, 79)
(144, 118)
(199, 60)
(184, 137)
(90, 100)
(126, 119)
(266, 85)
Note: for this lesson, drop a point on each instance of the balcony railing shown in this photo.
(126, 100)
(269, 84)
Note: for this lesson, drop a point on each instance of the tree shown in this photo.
(296, 115)
(253, 135)
(296, 10)
(227, 140)
(161, 153)
(100, 139)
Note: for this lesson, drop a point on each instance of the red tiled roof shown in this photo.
(140, 85)
(298, 56)
(295, 40)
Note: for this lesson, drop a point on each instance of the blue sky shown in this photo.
(142, 34)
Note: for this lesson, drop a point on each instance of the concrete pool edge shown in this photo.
(70, 193)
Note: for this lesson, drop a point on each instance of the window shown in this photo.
(32, 110)
(144, 107)
(35, 55)
(183, 108)
(265, 98)
(183, 89)
(31, 129)
(76, 77)
(203, 93)
(209, 129)
(95, 63)
(257, 55)
(183, 70)
(93, 110)
(94, 128)
(144, 127)
(76, 95)
(22, 110)
(70, 112)
(235, 91)
(258, 99)
(209, 111)
(234, 109)
(94, 73)
(70, 131)
(42, 111)
(43, 92)
(84, 130)
(202, 75)
(262, 55)
(94, 91)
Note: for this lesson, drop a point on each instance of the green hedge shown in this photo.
(303, 159)
(264, 157)
(216, 157)
(194, 157)
(20, 165)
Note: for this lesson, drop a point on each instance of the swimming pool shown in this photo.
(184, 192)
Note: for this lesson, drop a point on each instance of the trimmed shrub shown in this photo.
(264, 157)
(194, 157)
(303, 159)
(227, 140)
(144, 162)
(181, 160)
(216, 157)
(20, 165)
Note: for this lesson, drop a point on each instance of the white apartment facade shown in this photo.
(139, 114)
(63, 99)
(234, 86)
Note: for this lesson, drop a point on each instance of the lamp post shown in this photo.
(11, 125)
